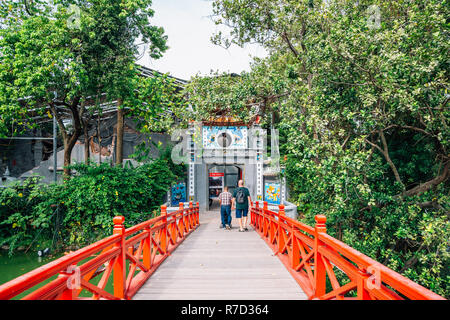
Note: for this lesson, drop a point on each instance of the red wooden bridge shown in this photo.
(212, 263)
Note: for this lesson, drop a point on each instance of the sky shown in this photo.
(189, 29)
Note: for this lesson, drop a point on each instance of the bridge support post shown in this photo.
(183, 219)
(147, 250)
(294, 252)
(320, 273)
(197, 215)
(72, 283)
(254, 215)
(275, 226)
(163, 235)
(120, 264)
(263, 217)
(191, 215)
(281, 232)
(362, 293)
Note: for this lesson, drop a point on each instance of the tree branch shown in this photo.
(388, 158)
(429, 184)
(385, 153)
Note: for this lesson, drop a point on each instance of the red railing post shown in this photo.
(120, 264)
(254, 215)
(197, 216)
(72, 283)
(319, 267)
(187, 217)
(281, 210)
(163, 235)
(361, 291)
(273, 226)
(181, 208)
(265, 209)
(281, 232)
(191, 215)
(147, 250)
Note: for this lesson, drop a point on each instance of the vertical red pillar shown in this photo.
(254, 215)
(187, 212)
(362, 292)
(281, 231)
(319, 267)
(120, 265)
(274, 226)
(147, 250)
(191, 215)
(163, 235)
(182, 220)
(294, 253)
(263, 216)
(72, 283)
(198, 213)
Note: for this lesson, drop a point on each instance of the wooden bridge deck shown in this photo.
(218, 264)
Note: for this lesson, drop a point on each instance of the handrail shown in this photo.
(145, 245)
(313, 257)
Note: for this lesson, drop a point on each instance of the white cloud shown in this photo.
(189, 29)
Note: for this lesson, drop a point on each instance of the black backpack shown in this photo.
(240, 196)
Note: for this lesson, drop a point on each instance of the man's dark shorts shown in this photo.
(241, 213)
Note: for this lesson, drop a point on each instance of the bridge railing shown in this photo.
(314, 259)
(129, 256)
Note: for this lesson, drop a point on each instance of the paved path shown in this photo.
(218, 264)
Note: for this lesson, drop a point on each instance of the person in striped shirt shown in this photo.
(225, 208)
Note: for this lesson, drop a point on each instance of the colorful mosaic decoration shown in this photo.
(224, 137)
(178, 194)
(272, 192)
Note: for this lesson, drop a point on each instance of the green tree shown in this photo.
(67, 57)
(360, 97)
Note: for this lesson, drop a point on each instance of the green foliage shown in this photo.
(66, 57)
(359, 90)
(87, 203)
(143, 154)
(205, 101)
(155, 104)
(46, 59)
(17, 221)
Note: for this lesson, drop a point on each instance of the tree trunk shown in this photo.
(68, 147)
(67, 160)
(69, 140)
(120, 127)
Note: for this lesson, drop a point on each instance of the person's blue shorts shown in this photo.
(241, 213)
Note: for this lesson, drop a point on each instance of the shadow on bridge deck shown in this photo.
(218, 264)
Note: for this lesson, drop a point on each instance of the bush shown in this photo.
(85, 204)
(17, 218)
